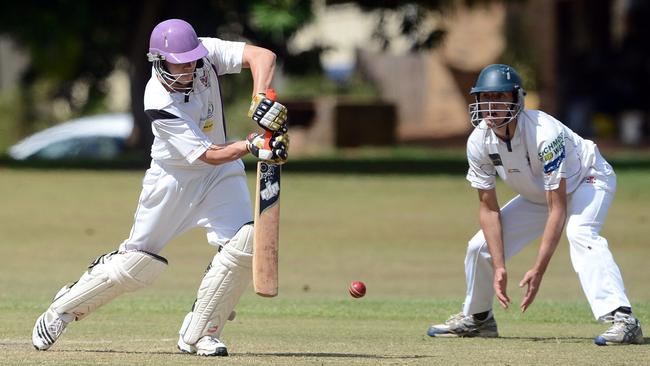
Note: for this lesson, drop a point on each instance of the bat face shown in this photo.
(267, 222)
(269, 181)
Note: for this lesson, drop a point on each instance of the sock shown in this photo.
(623, 309)
(481, 316)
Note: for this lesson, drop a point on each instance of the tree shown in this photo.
(73, 43)
(79, 42)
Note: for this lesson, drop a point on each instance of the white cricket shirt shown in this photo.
(184, 126)
(540, 153)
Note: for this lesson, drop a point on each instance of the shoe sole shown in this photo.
(454, 335)
(220, 352)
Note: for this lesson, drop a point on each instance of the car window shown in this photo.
(93, 147)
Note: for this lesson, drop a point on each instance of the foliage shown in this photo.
(75, 45)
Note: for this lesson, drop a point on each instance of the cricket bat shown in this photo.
(267, 225)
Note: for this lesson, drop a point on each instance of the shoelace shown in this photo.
(211, 340)
(617, 326)
(608, 319)
(455, 318)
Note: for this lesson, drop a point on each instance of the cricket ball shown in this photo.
(357, 289)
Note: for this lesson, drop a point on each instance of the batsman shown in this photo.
(561, 180)
(196, 179)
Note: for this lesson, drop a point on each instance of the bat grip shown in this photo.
(270, 93)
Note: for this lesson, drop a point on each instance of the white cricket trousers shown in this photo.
(176, 199)
(523, 221)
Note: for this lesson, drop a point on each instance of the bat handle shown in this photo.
(270, 93)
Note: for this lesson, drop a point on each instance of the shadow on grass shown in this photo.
(334, 355)
(646, 340)
(253, 354)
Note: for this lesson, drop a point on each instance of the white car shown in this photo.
(94, 137)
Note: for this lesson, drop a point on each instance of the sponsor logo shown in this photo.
(590, 179)
(270, 191)
(554, 165)
(552, 149)
(496, 159)
(514, 170)
(548, 156)
(210, 110)
(207, 127)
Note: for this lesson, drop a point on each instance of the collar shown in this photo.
(492, 138)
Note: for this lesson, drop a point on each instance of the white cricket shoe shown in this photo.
(206, 346)
(461, 325)
(626, 329)
(48, 328)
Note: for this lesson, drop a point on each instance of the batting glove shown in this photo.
(269, 146)
(269, 114)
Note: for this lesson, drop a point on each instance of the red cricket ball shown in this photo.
(357, 289)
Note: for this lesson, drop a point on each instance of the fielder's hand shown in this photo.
(500, 283)
(532, 279)
(269, 114)
(269, 146)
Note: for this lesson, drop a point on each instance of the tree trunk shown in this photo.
(140, 73)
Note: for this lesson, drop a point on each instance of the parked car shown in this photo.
(94, 137)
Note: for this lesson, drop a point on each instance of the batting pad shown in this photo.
(223, 284)
(109, 276)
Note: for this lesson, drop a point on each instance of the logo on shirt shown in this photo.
(207, 127)
(210, 110)
(514, 170)
(496, 159)
(554, 148)
(554, 165)
(205, 78)
(552, 154)
(590, 179)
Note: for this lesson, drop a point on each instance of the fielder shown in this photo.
(561, 179)
(196, 178)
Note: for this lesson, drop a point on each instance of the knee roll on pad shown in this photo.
(224, 282)
(110, 275)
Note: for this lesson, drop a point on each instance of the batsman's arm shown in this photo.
(262, 64)
(224, 153)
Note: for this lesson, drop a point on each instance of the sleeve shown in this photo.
(227, 56)
(551, 151)
(481, 173)
(185, 137)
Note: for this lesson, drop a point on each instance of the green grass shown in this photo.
(405, 236)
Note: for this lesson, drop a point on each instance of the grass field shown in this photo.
(405, 236)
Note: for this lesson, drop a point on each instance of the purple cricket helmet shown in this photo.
(175, 40)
